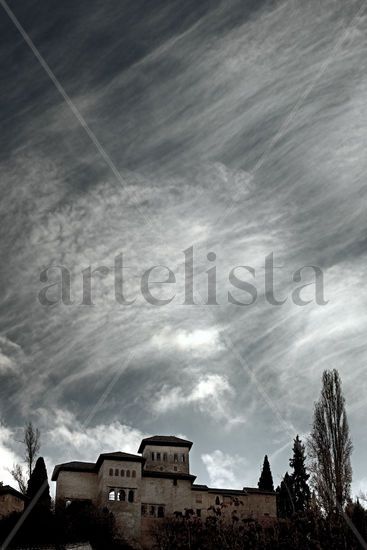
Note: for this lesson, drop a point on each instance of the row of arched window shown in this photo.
(123, 495)
(122, 473)
(177, 457)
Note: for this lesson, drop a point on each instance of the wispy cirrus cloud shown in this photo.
(185, 98)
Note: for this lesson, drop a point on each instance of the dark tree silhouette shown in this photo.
(285, 497)
(37, 480)
(330, 446)
(299, 478)
(266, 479)
(32, 443)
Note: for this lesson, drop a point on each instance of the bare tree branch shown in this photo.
(330, 445)
(32, 443)
(18, 475)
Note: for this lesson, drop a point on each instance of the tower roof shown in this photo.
(164, 441)
(124, 457)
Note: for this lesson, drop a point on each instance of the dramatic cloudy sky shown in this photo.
(230, 126)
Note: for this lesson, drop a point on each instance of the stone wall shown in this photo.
(172, 496)
(123, 478)
(9, 504)
(255, 505)
(167, 459)
(76, 486)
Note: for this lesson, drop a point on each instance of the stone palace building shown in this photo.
(142, 489)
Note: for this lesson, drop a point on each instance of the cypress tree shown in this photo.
(285, 497)
(36, 481)
(299, 481)
(266, 479)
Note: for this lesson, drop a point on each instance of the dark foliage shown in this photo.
(304, 531)
(293, 493)
(82, 521)
(39, 482)
(300, 488)
(285, 497)
(266, 479)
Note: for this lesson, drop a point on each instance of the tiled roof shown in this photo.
(94, 466)
(8, 490)
(162, 440)
(74, 466)
(119, 456)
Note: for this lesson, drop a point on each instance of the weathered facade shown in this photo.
(11, 501)
(141, 489)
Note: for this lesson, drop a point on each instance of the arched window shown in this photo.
(111, 472)
(133, 473)
(122, 495)
(161, 511)
(175, 457)
(165, 457)
(111, 495)
(116, 472)
(131, 496)
(122, 473)
(127, 473)
(217, 501)
(183, 458)
(67, 503)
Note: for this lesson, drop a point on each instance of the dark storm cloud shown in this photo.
(185, 98)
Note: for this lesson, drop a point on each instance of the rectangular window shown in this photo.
(183, 458)
(175, 482)
(144, 511)
(152, 456)
(161, 511)
(165, 457)
(152, 511)
(158, 456)
(199, 498)
(175, 457)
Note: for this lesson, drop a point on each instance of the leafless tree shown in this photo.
(330, 445)
(18, 475)
(32, 443)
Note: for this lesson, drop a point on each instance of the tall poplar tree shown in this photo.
(330, 445)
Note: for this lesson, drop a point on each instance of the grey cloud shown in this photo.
(185, 115)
